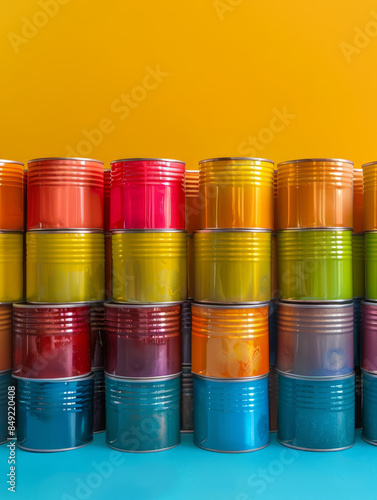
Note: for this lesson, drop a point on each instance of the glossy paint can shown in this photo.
(274, 267)
(369, 420)
(358, 397)
(371, 265)
(106, 199)
(190, 267)
(370, 196)
(97, 335)
(358, 201)
(369, 336)
(193, 201)
(357, 328)
(231, 416)
(11, 195)
(187, 399)
(142, 415)
(358, 265)
(186, 331)
(273, 330)
(11, 266)
(108, 266)
(273, 391)
(6, 341)
(5, 382)
(99, 404)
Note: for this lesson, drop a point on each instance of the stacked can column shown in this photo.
(11, 274)
(65, 278)
(149, 282)
(232, 289)
(315, 353)
(369, 308)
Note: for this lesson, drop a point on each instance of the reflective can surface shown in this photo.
(5, 337)
(231, 416)
(230, 342)
(273, 330)
(358, 201)
(142, 415)
(315, 340)
(65, 266)
(97, 335)
(51, 342)
(187, 399)
(106, 199)
(358, 265)
(54, 415)
(315, 193)
(142, 341)
(108, 266)
(316, 414)
(357, 331)
(147, 193)
(369, 336)
(193, 202)
(186, 331)
(149, 266)
(358, 397)
(370, 196)
(99, 403)
(237, 193)
(5, 382)
(369, 420)
(190, 266)
(11, 267)
(274, 267)
(371, 266)
(315, 265)
(273, 390)
(11, 196)
(65, 193)
(232, 266)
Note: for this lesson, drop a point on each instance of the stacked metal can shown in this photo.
(55, 344)
(232, 290)
(11, 273)
(315, 352)
(369, 308)
(149, 282)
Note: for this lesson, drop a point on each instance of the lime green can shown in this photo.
(371, 265)
(315, 265)
(358, 258)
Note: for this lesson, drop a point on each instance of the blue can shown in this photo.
(369, 421)
(54, 415)
(231, 415)
(358, 397)
(99, 405)
(187, 399)
(273, 390)
(316, 414)
(5, 384)
(357, 331)
(273, 330)
(142, 415)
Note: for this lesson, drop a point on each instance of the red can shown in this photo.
(5, 337)
(142, 340)
(106, 199)
(97, 335)
(147, 193)
(65, 193)
(51, 341)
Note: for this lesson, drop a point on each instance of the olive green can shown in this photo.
(358, 265)
(371, 265)
(315, 265)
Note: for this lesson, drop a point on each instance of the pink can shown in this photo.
(147, 193)
(369, 336)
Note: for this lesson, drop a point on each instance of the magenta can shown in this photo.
(369, 336)
(147, 193)
(142, 340)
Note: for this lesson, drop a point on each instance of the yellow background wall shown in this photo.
(267, 78)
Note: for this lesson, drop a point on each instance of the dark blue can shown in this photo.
(231, 415)
(369, 422)
(316, 414)
(273, 389)
(357, 331)
(273, 330)
(99, 405)
(187, 399)
(54, 415)
(142, 415)
(6, 384)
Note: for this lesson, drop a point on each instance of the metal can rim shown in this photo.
(144, 305)
(308, 305)
(233, 230)
(143, 379)
(312, 229)
(235, 158)
(52, 158)
(232, 305)
(191, 171)
(315, 301)
(231, 380)
(151, 231)
(316, 378)
(369, 164)
(87, 376)
(3, 372)
(10, 231)
(368, 302)
(60, 305)
(125, 160)
(311, 160)
(11, 162)
(374, 374)
(65, 231)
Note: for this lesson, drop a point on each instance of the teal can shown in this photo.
(7, 387)
(369, 419)
(316, 265)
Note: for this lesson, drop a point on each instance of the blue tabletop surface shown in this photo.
(187, 472)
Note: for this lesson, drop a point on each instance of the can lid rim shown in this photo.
(312, 160)
(234, 230)
(125, 160)
(87, 376)
(73, 158)
(316, 378)
(368, 164)
(143, 379)
(246, 305)
(146, 230)
(236, 158)
(231, 380)
(191, 171)
(315, 305)
(65, 231)
(364, 371)
(43, 305)
(142, 305)
(3, 372)
(308, 229)
(11, 161)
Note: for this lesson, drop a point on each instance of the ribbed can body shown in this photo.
(369, 336)
(358, 265)
(142, 415)
(316, 414)
(315, 265)
(315, 193)
(230, 342)
(5, 382)
(54, 415)
(51, 342)
(370, 196)
(232, 266)
(187, 399)
(65, 193)
(273, 330)
(357, 327)
(6, 337)
(315, 340)
(108, 266)
(236, 193)
(358, 397)
(65, 266)
(369, 420)
(193, 201)
(190, 267)
(142, 341)
(274, 267)
(358, 201)
(231, 416)
(147, 194)
(273, 391)
(99, 401)
(106, 199)
(11, 267)
(11, 196)
(97, 335)
(149, 266)
(186, 331)
(371, 266)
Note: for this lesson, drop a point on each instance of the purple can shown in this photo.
(369, 336)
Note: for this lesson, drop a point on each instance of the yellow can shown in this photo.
(65, 266)
(149, 266)
(274, 267)
(190, 266)
(232, 266)
(11, 266)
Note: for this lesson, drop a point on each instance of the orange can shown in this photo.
(230, 341)
(11, 196)
(315, 193)
(275, 200)
(236, 193)
(358, 201)
(370, 196)
(6, 312)
(192, 201)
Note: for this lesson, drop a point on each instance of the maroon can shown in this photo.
(97, 334)
(51, 341)
(369, 336)
(106, 199)
(142, 340)
(147, 193)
